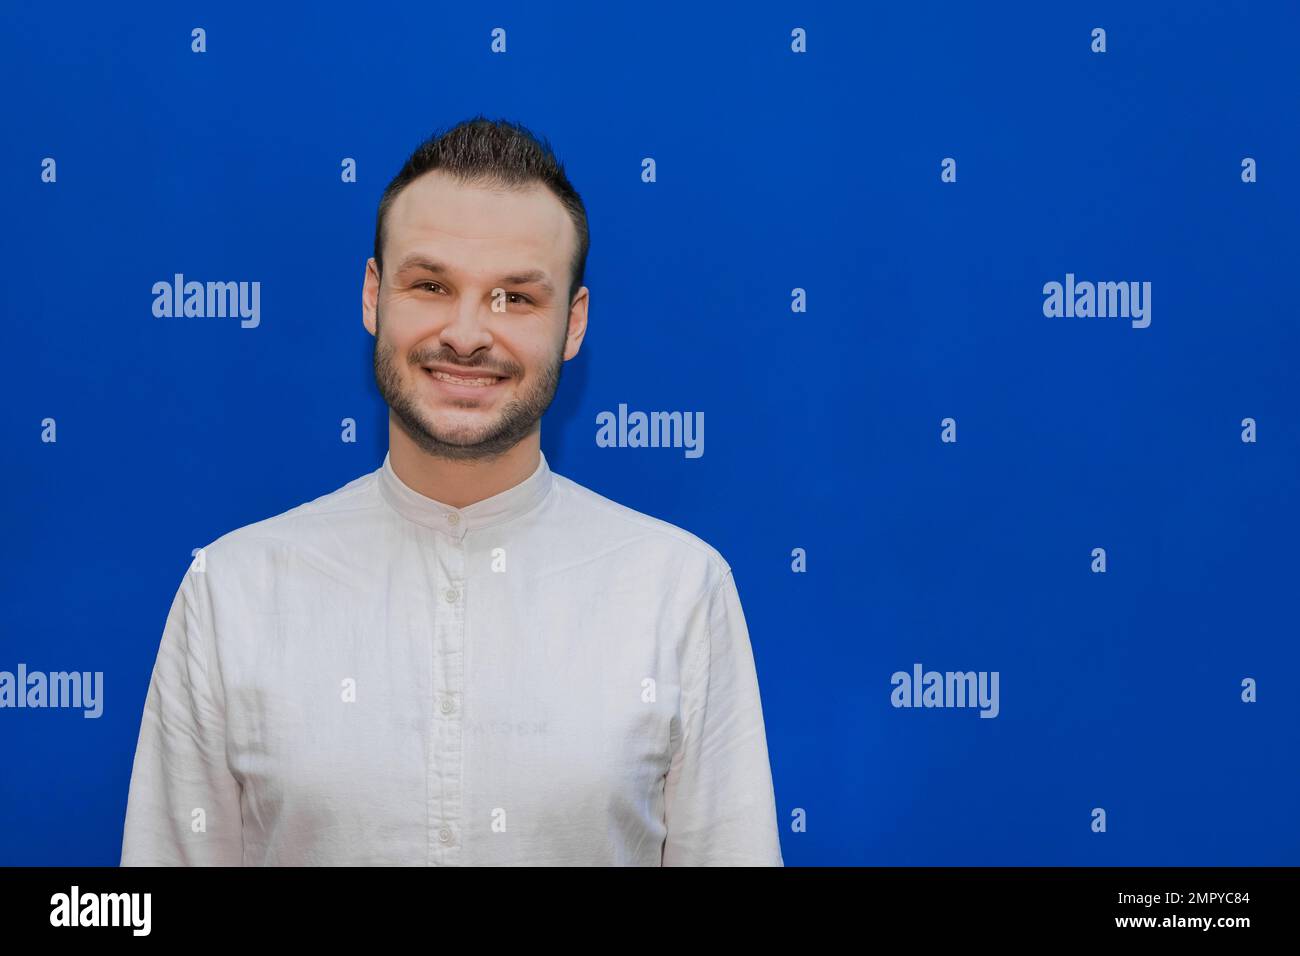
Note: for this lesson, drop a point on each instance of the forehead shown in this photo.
(479, 228)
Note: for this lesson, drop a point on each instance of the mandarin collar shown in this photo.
(456, 522)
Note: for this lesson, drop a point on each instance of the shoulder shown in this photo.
(318, 520)
(616, 529)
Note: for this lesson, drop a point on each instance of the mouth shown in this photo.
(472, 384)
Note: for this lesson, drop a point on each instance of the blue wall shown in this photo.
(775, 171)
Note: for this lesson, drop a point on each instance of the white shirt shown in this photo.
(544, 677)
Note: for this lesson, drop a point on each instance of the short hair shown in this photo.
(496, 153)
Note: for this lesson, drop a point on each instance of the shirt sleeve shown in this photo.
(180, 757)
(719, 805)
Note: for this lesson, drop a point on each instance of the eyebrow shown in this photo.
(528, 277)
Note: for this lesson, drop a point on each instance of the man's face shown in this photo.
(475, 279)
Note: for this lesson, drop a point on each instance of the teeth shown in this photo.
(461, 379)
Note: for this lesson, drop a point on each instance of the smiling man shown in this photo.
(462, 657)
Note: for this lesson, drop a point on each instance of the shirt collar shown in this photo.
(456, 522)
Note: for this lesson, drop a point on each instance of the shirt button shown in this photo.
(451, 595)
(444, 835)
(453, 518)
(447, 705)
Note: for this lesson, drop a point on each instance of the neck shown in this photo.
(459, 484)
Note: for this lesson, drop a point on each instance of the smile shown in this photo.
(464, 384)
(463, 380)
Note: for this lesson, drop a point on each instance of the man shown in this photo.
(460, 658)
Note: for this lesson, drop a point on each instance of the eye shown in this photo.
(421, 285)
(519, 295)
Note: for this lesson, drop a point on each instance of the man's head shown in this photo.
(480, 248)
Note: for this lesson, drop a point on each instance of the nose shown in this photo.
(467, 329)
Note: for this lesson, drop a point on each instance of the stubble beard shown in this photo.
(519, 417)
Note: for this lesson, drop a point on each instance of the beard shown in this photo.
(519, 417)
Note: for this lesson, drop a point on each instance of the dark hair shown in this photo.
(497, 153)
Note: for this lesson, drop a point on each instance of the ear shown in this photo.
(370, 295)
(577, 322)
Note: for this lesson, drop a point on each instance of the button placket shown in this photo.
(446, 759)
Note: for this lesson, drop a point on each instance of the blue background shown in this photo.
(776, 171)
